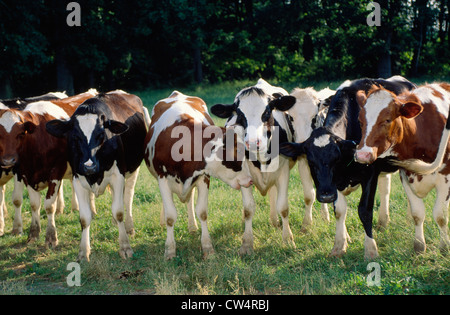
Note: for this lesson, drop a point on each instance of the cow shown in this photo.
(408, 128)
(36, 159)
(306, 109)
(7, 174)
(330, 152)
(105, 138)
(262, 130)
(182, 123)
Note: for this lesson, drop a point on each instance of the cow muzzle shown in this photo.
(89, 167)
(366, 156)
(8, 161)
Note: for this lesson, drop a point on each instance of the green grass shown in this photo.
(274, 268)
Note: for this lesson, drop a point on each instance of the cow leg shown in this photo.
(273, 206)
(60, 200)
(83, 197)
(35, 204)
(75, 205)
(202, 212)
(365, 212)
(192, 223)
(130, 183)
(384, 186)
(117, 187)
(308, 192)
(249, 211)
(2, 210)
(440, 211)
(17, 198)
(170, 216)
(417, 208)
(282, 205)
(50, 205)
(340, 210)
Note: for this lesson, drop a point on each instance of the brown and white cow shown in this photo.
(183, 149)
(6, 174)
(37, 159)
(410, 129)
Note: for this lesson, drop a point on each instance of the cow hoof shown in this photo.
(83, 256)
(31, 239)
(51, 242)
(17, 231)
(246, 250)
(169, 256)
(419, 247)
(275, 222)
(207, 253)
(126, 252)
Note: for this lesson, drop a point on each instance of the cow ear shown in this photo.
(223, 111)
(283, 103)
(361, 98)
(292, 150)
(411, 110)
(58, 128)
(115, 127)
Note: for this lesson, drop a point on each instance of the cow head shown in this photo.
(251, 115)
(13, 131)
(86, 132)
(226, 159)
(324, 151)
(381, 121)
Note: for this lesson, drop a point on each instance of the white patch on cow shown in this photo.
(253, 106)
(425, 95)
(303, 112)
(8, 120)
(374, 105)
(344, 85)
(322, 141)
(45, 107)
(180, 106)
(3, 106)
(87, 124)
(59, 95)
(89, 163)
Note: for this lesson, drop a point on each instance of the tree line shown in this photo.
(137, 44)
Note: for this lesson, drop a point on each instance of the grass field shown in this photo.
(274, 268)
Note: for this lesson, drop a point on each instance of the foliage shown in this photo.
(139, 44)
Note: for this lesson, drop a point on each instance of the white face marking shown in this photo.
(322, 141)
(89, 163)
(374, 105)
(87, 124)
(8, 120)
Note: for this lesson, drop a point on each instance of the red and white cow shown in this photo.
(37, 159)
(183, 149)
(7, 174)
(408, 128)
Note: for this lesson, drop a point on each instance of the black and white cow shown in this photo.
(259, 129)
(307, 109)
(330, 152)
(105, 139)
